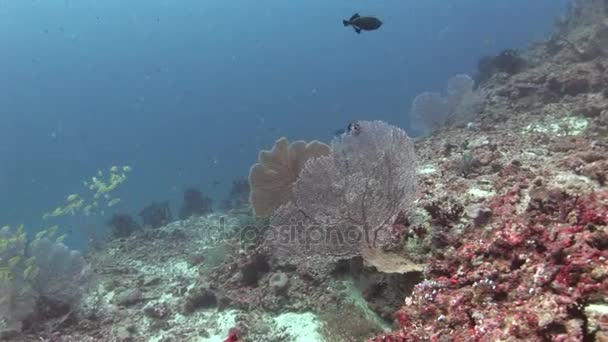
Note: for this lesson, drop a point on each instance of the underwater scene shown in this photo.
(303, 171)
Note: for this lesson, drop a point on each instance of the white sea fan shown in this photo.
(61, 271)
(59, 276)
(431, 111)
(343, 203)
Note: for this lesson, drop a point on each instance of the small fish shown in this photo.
(339, 131)
(217, 182)
(61, 238)
(354, 128)
(362, 23)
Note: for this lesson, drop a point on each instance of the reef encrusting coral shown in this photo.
(527, 276)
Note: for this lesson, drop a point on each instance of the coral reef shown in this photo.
(524, 275)
(523, 259)
(505, 237)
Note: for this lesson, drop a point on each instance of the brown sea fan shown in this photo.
(272, 178)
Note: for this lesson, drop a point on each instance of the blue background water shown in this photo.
(187, 92)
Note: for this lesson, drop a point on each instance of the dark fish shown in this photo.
(353, 128)
(362, 23)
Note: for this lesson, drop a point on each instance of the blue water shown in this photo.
(187, 92)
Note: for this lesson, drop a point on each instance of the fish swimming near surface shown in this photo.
(362, 23)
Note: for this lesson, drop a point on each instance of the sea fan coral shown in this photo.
(122, 225)
(41, 272)
(271, 179)
(431, 111)
(343, 203)
(60, 270)
(238, 198)
(195, 204)
(458, 88)
(156, 215)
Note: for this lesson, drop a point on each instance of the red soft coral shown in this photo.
(521, 277)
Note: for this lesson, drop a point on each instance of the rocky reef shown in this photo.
(525, 260)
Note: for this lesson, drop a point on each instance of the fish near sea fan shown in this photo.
(271, 179)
